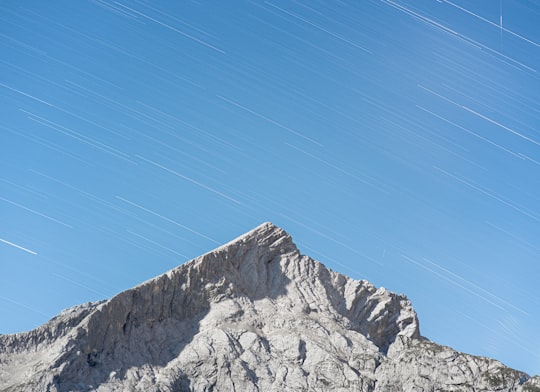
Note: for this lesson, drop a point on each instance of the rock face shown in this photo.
(252, 315)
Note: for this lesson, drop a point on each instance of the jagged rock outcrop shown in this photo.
(252, 315)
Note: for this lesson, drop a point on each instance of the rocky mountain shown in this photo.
(252, 315)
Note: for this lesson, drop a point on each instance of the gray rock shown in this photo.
(252, 315)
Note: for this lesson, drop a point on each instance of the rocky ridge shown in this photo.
(252, 315)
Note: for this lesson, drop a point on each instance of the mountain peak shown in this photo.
(253, 314)
(265, 236)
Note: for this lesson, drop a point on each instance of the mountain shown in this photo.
(252, 315)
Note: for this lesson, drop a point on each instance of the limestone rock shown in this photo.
(252, 315)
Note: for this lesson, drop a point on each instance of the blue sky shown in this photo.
(396, 141)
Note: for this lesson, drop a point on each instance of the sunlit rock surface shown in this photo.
(252, 315)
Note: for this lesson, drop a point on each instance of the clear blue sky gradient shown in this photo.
(396, 141)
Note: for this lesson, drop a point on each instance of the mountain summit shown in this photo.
(252, 315)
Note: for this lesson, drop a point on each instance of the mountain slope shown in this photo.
(252, 315)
